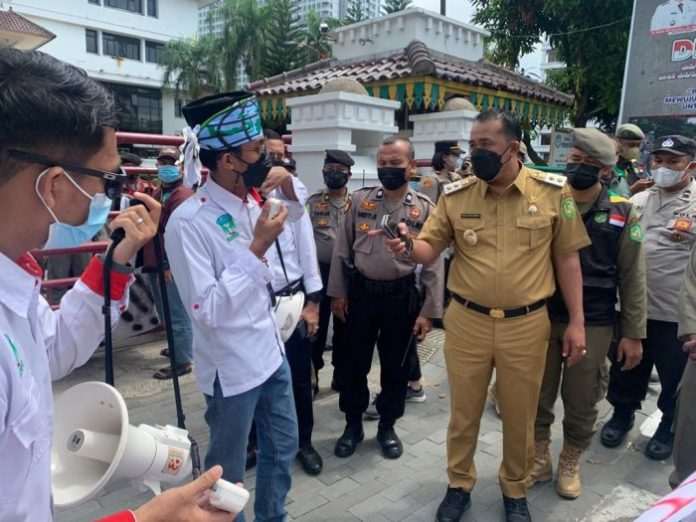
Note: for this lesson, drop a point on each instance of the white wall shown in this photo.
(394, 32)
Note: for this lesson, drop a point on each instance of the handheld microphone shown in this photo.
(119, 234)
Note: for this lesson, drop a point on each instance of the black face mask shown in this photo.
(487, 163)
(256, 172)
(335, 179)
(392, 178)
(581, 176)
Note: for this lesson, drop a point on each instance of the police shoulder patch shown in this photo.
(557, 180)
(456, 186)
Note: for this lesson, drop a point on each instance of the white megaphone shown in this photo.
(288, 310)
(93, 443)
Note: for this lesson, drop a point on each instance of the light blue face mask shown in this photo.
(62, 235)
(168, 173)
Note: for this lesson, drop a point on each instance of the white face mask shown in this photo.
(665, 178)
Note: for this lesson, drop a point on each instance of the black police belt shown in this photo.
(291, 289)
(499, 313)
(383, 288)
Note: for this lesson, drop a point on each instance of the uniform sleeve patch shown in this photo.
(427, 183)
(568, 208)
(635, 233)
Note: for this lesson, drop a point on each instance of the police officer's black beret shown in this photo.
(449, 146)
(338, 156)
(675, 144)
(199, 111)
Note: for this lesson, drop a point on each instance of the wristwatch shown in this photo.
(314, 297)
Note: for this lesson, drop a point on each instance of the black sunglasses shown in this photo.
(113, 181)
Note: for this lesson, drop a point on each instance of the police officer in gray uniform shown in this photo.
(326, 209)
(667, 214)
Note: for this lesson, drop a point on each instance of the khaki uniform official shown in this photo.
(684, 441)
(504, 245)
(432, 184)
(378, 305)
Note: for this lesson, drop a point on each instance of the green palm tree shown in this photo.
(189, 67)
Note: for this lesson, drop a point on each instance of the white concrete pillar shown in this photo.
(437, 126)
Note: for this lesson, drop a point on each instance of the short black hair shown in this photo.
(511, 125)
(270, 134)
(439, 160)
(392, 140)
(51, 108)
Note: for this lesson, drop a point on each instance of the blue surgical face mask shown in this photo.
(168, 173)
(62, 235)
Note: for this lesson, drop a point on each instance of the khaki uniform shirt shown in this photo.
(687, 300)
(669, 227)
(370, 254)
(432, 183)
(504, 243)
(326, 215)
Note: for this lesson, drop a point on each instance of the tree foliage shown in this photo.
(394, 6)
(190, 68)
(590, 37)
(281, 38)
(317, 45)
(355, 12)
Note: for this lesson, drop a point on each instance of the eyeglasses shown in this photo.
(113, 181)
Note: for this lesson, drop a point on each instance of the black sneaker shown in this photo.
(614, 432)
(453, 506)
(660, 445)
(516, 510)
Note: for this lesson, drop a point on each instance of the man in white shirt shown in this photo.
(220, 245)
(299, 272)
(59, 171)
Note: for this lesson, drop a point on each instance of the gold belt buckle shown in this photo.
(497, 313)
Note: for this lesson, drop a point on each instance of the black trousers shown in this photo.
(338, 340)
(662, 348)
(387, 321)
(298, 350)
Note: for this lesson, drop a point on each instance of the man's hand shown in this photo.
(279, 177)
(690, 347)
(310, 314)
(186, 503)
(630, 351)
(267, 230)
(168, 277)
(339, 307)
(574, 343)
(422, 327)
(395, 245)
(140, 224)
(641, 185)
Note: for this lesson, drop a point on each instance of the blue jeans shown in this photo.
(181, 323)
(271, 406)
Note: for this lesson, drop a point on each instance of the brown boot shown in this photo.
(568, 481)
(543, 470)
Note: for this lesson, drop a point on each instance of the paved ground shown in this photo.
(618, 484)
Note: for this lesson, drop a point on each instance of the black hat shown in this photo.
(200, 110)
(338, 156)
(449, 146)
(130, 157)
(675, 144)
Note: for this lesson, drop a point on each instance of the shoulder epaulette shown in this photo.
(317, 194)
(557, 180)
(456, 186)
(422, 196)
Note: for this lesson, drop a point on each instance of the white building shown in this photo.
(549, 60)
(119, 42)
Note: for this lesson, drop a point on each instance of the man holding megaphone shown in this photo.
(59, 172)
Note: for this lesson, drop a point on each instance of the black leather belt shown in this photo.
(499, 313)
(291, 289)
(393, 287)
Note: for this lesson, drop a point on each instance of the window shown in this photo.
(120, 46)
(140, 108)
(95, 2)
(134, 6)
(152, 8)
(178, 104)
(91, 41)
(154, 52)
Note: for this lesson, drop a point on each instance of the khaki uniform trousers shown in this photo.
(684, 439)
(516, 347)
(584, 385)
